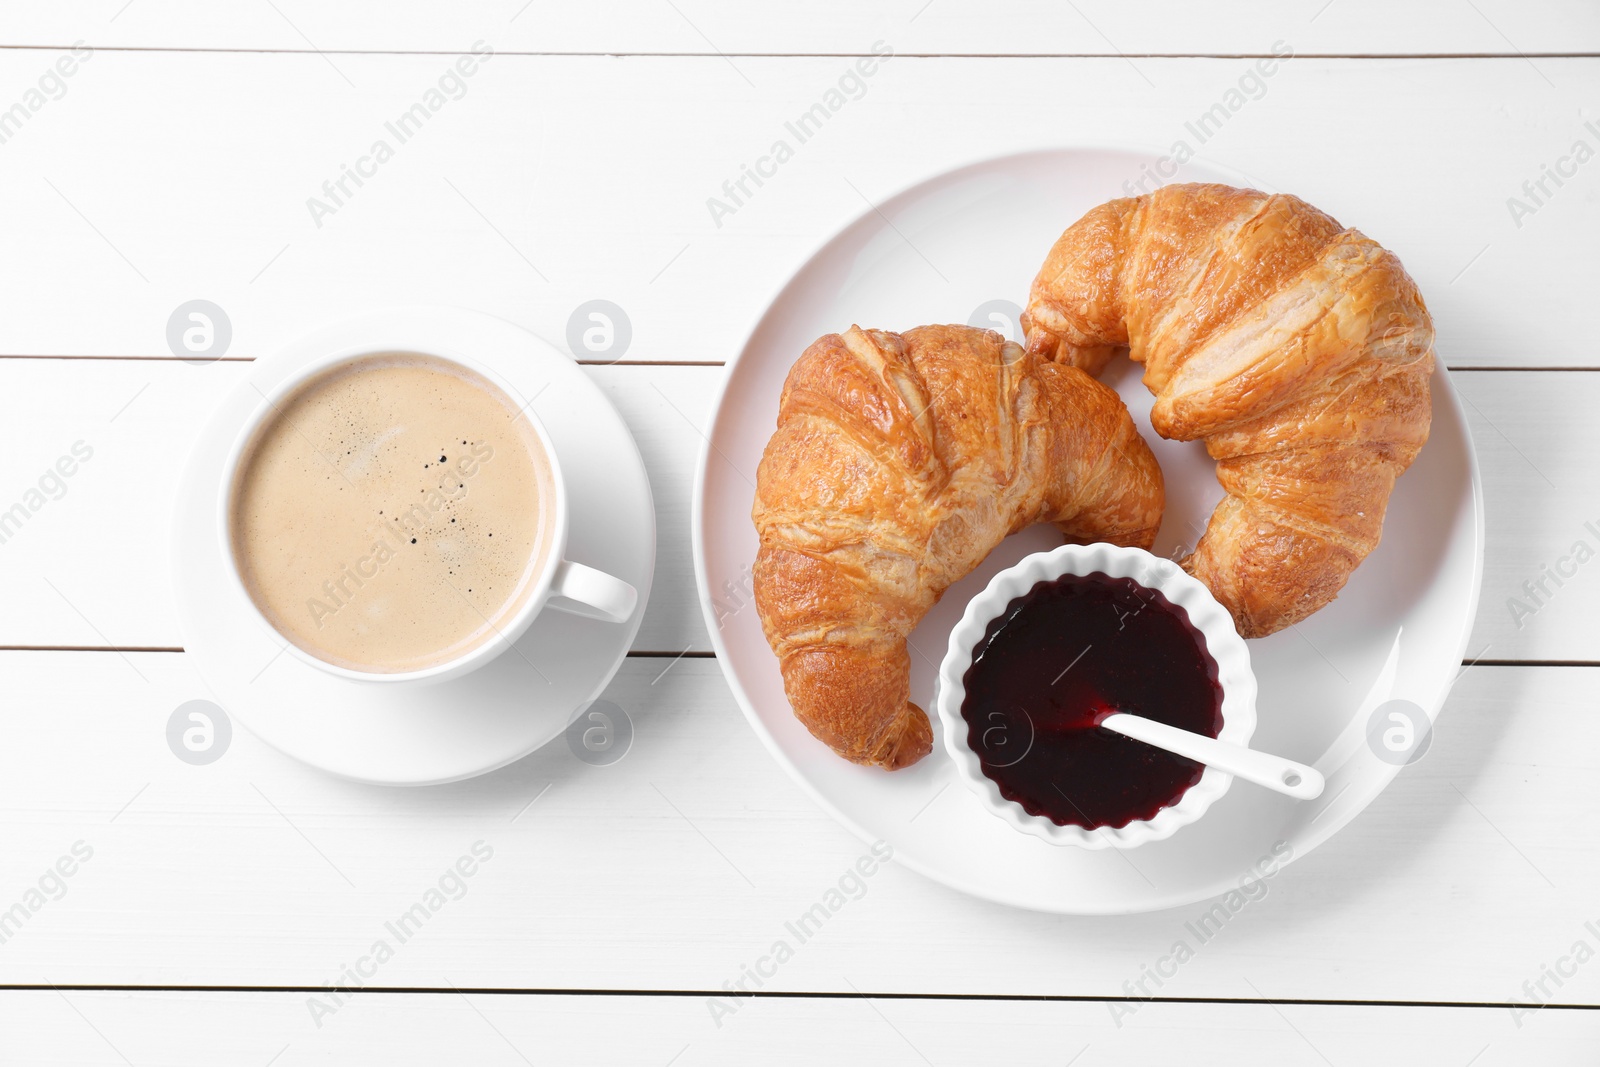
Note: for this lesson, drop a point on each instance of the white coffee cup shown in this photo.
(560, 583)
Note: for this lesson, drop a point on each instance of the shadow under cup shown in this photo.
(394, 515)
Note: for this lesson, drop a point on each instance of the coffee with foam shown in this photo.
(393, 513)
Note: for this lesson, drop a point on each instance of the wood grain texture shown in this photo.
(707, 27)
(678, 867)
(150, 178)
(1534, 433)
(133, 193)
(65, 571)
(83, 1029)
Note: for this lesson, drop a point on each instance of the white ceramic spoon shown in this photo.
(1282, 775)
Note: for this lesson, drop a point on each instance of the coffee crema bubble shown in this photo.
(392, 513)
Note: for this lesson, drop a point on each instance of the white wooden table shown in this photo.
(219, 901)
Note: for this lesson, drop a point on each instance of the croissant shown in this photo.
(1297, 350)
(898, 463)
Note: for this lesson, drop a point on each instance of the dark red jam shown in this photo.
(1060, 659)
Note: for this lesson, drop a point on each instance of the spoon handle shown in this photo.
(1262, 768)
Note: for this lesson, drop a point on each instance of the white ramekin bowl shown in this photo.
(1223, 642)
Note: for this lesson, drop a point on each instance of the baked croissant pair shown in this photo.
(1299, 351)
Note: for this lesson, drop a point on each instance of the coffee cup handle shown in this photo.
(592, 594)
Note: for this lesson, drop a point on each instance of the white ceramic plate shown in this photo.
(443, 731)
(940, 252)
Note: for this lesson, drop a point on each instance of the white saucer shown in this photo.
(945, 251)
(424, 734)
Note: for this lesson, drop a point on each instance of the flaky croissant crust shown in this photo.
(1298, 350)
(898, 463)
